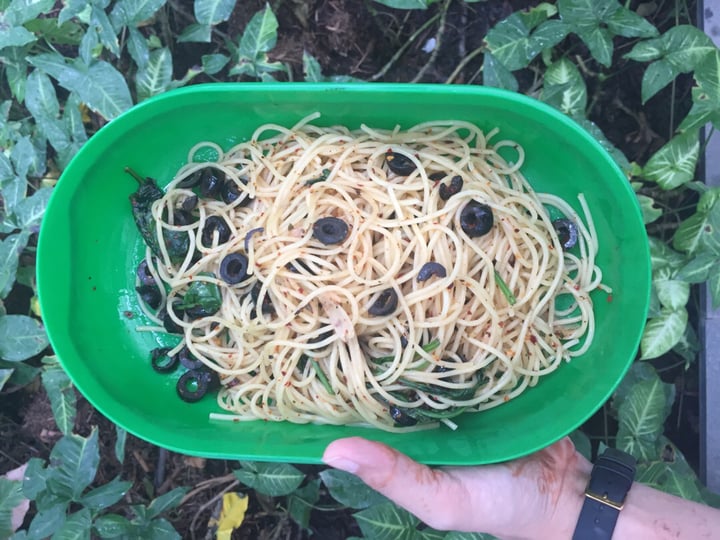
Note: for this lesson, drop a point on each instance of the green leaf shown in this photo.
(702, 229)
(200, 33)
(40, 97)
(158, 529)
(674, 164)
(683, 46)
(455, 535)
(549, 34)
(120, 439)
(75, 460)
(663, 332)
(138, 47)
(67, 33)
(30, 211)
(349, 490)
(698, 268)
(509, 42)
(312, 71)
(495, 74)
(48, 521)
(639, 371)
(386, 522)
(105, 495)
(21, 337)
(210, 12)
(90, 46)
(649, 211)
(105, 30)
(406, 4)
(13, 59)
(62, 397)
(656, 77)
(301, 502)
(599, 42)
(113, 526)
(10, 250)
(688, 346)
(203, 295)
(76, 527)
(564, 76)
(16, 36)
(5, 375)
(26, 158)
(155, 77)
(35, 478)
(14, 191)
(537, 15)
(642, 414)
(627, 23)
(259, 37)
(10, 496)
(213, 63)
(21, 11)
(131, 12)
(273, 479)
(672, 293)
(714, 286)
(73, 8)
(587, 13)
(165, 502)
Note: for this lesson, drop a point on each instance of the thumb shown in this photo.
(433, 495)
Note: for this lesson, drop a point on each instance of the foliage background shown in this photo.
(637, 75)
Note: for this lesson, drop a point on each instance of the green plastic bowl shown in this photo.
(89, 249)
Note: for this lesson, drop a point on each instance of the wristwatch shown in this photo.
(609, 484)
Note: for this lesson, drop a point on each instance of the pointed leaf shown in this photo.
(76, 527)
(21, 337)
(62, 397)
(200, 33)
(302, 501)
(10, 250)
(349, 490)
(639, 371)
(672, 293)
(663, 332)
(165, 502)
(210, 12)
(683, 46)
(5, 375)
(259, 36)
(14, 191)
(627, 23)
(599, 42)
(48, 521)
(105, 495)
(113, 526)
(30, 211)
(649, 211)
(587, 13)
(213, 63)
(311, 68)
(714, 286)
(509, 42)
(674, 164)
(702, 229)
(75, 460)
(155, 77)
(13, 59)
(120, 439)
(495, 74)
(16, 36)
(34, 481)
(548, 34)
(105, 30)
(10, 496)
(40, 97)
(131, 12)
(538, 14)
(272, 479)
(138, 48)
(572, 97)
(688, 346)
(90, 46)
(707, 76)
(698, 268)
(656, 77)
(21, 11)
(159, 529)
(386, 522)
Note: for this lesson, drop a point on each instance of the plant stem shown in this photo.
(438, 43)
(464, 62)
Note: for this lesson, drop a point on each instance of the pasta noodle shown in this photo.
(306, 336)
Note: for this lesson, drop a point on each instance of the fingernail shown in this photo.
(343, 464)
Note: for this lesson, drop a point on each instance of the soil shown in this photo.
(360, 38)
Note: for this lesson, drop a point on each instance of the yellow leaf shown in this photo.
(231, 515)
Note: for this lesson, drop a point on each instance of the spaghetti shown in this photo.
(355, 285)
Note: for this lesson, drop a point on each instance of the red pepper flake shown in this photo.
(609, 298)
(128, 314)
(533, 339)
(506, 399)
(236, 420)
(576, 287)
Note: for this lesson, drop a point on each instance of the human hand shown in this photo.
(538, 496)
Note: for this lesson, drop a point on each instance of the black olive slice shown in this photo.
(476, 219)
(330, 230)
(211, 182)
(267, 305)
(399, 164)
(150, 294)
(188, 359)
(401, 418)
(189, 203)
(385, 304)
(170, 326)
(143, 274)
(447, 191)
(233, 268)
(212, 224)
(437, 176)
(161, 362)
(195, 383)
(198, 312)
(567, 232)
(183, 217)
(431, 269)
(190, 181)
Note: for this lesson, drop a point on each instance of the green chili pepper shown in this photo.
(202, 298)
(428, 347)
(505, 289)
(322, 377)
(321, 178)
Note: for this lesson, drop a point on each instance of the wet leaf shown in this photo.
(21, 337)
(200, 33)
(663, 332)
(131, 12)
(10, 250)
(571, 94)
(656, 77)
(74, 462)
(165, 502)
(674, 164)
(113, 526)
(495, 74)
(213, 63)
(10, 496)
(273, 479)
(76, 527)
(349, 490)
(62, 397)
(155, 77)
(120, 439)
(387, 522)
(106, 495)
(210, 12)
(48, 521)
(649, 211)
(672, 293)
(698, 268)
(301, 502)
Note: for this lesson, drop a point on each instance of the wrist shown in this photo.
(566, 509)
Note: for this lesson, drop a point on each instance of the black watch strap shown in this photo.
(610, 482)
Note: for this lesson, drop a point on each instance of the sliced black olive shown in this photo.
(170, 326)
(191, 181)
(447, 191)
(267, 305)
(440, 369)
(188, 359)
(195, 383)
(212, 224)
(431, 269)
(330, 230)
(150, 294)
(567, 232)
(476, 219)
(399, 164)
(299, 264)
(161, 362)
(183, 217)
(230, 192)
(385, 304)
(403, 342)
(189, 203)
(401, 418)
(211, 182)
(143, 274)
(437, 176)
(198, 312)
(233, 268)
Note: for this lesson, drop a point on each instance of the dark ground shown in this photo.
(359, 38)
